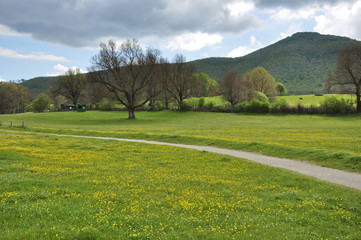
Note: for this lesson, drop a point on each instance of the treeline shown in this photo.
(330, 105)
(143, 80)
(14, 98)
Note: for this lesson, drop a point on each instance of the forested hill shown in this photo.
(300, 62)
(39, 84)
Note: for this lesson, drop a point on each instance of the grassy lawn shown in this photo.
(332, 141)
(66, 188)
(308, 100)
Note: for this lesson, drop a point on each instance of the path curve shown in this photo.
(331, 175)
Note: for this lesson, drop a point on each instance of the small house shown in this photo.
(68, 107)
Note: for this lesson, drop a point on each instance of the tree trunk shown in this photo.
(358, 101)
(131, 113)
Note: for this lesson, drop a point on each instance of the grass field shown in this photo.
(66, 188)
(308, 100)
(332, 141)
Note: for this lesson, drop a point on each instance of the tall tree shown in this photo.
(72, 84)
(230, 88)
(262, 81)
(14, 98)
(348, 71)
(181, 81)
(127, 72)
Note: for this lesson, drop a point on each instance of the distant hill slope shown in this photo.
(300, 62)
(39, 84)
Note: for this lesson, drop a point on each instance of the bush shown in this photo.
(105, 105)
(281, 106)
(333, 105)
(183, 106)
(256, 106)
(201, 102)
(41, 103)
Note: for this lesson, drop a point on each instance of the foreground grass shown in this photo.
(332, 141)
(66, 188)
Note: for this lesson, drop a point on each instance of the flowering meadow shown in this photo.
(331, 141)
(71, 188)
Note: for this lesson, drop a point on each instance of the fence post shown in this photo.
(11, 124)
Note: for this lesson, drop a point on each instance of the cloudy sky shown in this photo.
(45, 37)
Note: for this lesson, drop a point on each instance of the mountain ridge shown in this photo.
(300, 62)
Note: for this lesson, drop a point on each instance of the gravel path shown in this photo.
(336, 176)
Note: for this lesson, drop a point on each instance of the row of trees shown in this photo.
(236, 89)
(14, 98)
(133, 78)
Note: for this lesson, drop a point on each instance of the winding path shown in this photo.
(348, 179)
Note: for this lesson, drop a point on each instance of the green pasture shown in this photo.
(332, 141)
(71, 188)
(308, 100)
(292, 100)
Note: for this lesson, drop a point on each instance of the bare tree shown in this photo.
(182, 81)
(348, 71)
(54, 93)
(230, 88)
(72, 85)
(127, 72)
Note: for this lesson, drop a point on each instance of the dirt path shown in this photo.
(340, 177)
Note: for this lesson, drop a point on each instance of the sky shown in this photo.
(46, 37)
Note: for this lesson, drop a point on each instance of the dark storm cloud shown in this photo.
(83, 22)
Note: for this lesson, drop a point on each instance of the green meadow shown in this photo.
(313, 100)
(332, 141)
(70, 188)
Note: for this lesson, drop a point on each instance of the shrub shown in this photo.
(201, 102)
(333, 105)
(281, 106)
(256, 106)
(105, 105)
(41, 103)
(183, 106)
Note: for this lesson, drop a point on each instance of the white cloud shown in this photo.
(2, 80)
(285, 14)
(33, 56)
(240, 8)
(4, 30)
(61, 70)
(193, 41)
(244, 50)
(342, 19)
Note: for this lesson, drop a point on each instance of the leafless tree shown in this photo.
(348, 71)
(230, 88)
(127, 72)
(72, 84)
(182, 81)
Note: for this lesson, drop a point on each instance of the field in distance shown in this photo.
(332, 141)
(70, 188)
(292, 100)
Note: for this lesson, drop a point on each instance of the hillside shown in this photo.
(39, 84)
(300, 62)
